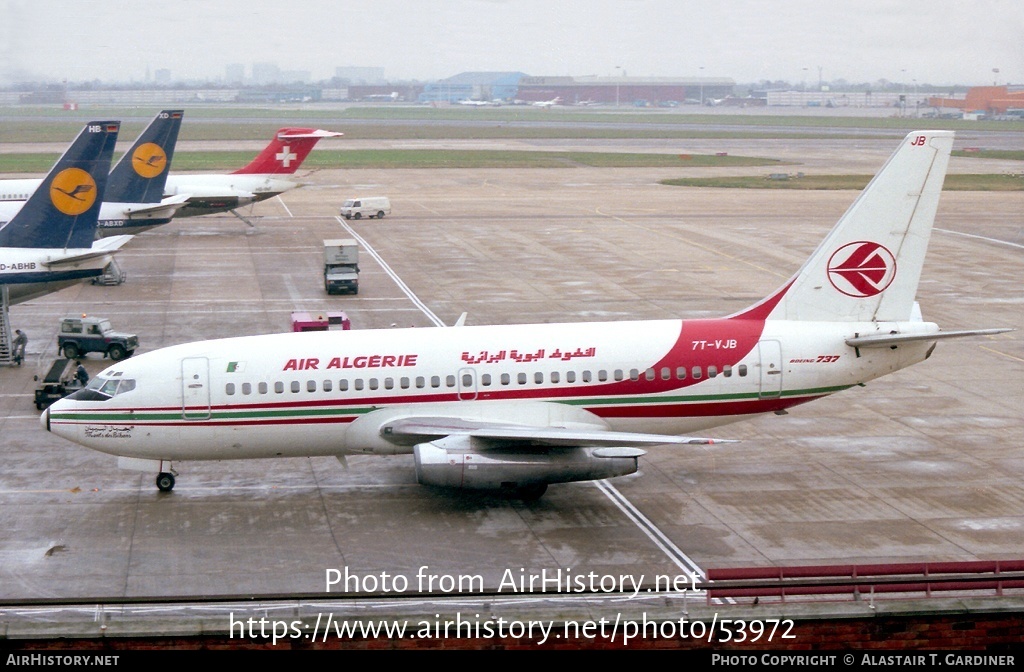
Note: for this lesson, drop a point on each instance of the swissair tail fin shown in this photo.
(868, 266)
(63, 211)
(140, 175)
(286, 151)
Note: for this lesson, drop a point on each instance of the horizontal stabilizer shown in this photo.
(167, 207)
(101, 248)
(885, 340)
(295, 134)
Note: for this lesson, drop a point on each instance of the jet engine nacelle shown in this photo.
(462, 462)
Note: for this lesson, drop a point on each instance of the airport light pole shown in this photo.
(702, 86)
(903, 92)
(617, 67)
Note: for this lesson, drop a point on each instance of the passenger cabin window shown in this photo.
(696, 372)
(229, 389)
(279, 387)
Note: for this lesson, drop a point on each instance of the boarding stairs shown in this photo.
(6, 339)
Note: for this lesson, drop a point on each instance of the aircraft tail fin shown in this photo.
(140, 175)
(869, 265)
(286, 151)
(63, 211)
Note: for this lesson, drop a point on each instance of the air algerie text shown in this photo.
(359, 362)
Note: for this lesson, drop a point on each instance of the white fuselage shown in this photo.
(330, 393)
(114, 218)
(210, 194)
(207, 194)
(31, 272)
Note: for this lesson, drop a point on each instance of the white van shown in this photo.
(368, 206)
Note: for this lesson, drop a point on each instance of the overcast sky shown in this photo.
(930, 41)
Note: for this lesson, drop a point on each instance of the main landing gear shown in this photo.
(165, 481)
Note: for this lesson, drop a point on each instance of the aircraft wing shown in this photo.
(425, 428)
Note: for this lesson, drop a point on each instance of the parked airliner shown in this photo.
(268, 175)
(519, 407)
(133, 200)
(50, 243)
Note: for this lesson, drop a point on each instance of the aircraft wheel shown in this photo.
(531, 493)
(71, 351)
(165, 481)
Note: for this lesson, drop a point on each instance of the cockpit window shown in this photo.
(101, 389)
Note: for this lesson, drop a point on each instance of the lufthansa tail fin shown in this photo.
(140, 175)
(62, 212)
(286, 151)
(868, 267)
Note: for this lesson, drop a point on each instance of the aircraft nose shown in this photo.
(44, 419)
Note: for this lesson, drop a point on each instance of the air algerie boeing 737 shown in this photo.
(520, 407)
